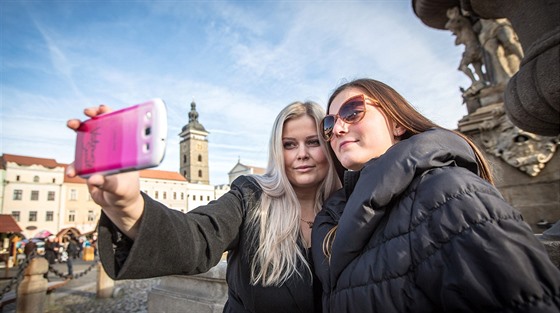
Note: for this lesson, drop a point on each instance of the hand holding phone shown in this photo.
(129, 139)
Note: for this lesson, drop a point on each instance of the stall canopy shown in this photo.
(8, 224)
(42, 234)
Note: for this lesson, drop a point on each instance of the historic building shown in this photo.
(40, 197)
(194, 150)
(77, 210)
(242, 169)
(31, 193)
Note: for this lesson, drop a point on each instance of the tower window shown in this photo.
(199, 173)
(199, 158)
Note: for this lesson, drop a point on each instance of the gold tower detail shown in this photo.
(194, 150)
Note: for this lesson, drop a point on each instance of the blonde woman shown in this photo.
(263, 222)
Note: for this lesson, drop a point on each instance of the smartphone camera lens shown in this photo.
(147, 131)
(146, 147)
(148, 115)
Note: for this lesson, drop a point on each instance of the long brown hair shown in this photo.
(403, 113)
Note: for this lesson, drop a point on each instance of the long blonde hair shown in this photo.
(399, 110)
(276, 219)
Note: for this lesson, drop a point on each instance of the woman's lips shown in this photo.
(345, 143)
(304, 168)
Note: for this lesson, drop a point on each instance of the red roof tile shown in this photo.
(8, 224)
(157, 174)
(27, 161)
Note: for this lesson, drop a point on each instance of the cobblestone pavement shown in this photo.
(80, 295)
(131, 297)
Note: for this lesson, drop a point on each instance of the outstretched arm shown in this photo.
(119, 194)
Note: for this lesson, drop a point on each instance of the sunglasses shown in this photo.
(351, 112)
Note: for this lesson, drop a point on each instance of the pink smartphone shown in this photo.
(129, 139)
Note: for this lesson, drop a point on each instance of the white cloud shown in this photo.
(240, 62)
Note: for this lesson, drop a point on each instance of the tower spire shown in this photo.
(194, 149)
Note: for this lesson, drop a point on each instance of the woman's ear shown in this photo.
(398, 130)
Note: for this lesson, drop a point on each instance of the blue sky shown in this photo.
(241, 62)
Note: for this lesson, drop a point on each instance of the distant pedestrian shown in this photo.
(81, 244)
(51, 248)
(29, 248)
(94, 244)
(72, 250)
(51, 252)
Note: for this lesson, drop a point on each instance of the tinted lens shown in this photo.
(352, 112)
(327, 125)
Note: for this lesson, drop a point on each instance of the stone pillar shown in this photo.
(202, 293)
(32, 291)
(105, 285)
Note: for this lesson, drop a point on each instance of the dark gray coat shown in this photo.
(170, 242)
(419, 231)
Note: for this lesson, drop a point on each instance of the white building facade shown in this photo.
(37, 193)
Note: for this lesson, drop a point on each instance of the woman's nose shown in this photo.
(303, 152)
(339, 127)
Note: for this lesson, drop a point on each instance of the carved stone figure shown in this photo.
(503, 50)
(462, 28)
(525, 151)
(532, 95)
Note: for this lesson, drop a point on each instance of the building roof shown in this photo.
(152, 174)
(254, 169)
(8, 224)
(193, 124)
(28, 161)
(157, 174)
(257, 170)
(51, 163)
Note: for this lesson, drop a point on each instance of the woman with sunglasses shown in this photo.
(263, 222)
(419, 226)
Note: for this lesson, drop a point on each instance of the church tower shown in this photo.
(194, 150)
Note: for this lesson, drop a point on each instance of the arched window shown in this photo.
(184, 158)
(199, 173)
(199, 158)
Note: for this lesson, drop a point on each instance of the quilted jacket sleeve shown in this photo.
(477, 253)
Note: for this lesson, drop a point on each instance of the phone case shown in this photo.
(129, 139)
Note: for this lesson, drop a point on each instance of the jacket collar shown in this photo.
(370, 191)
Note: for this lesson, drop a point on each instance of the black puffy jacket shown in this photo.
(419, 231)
